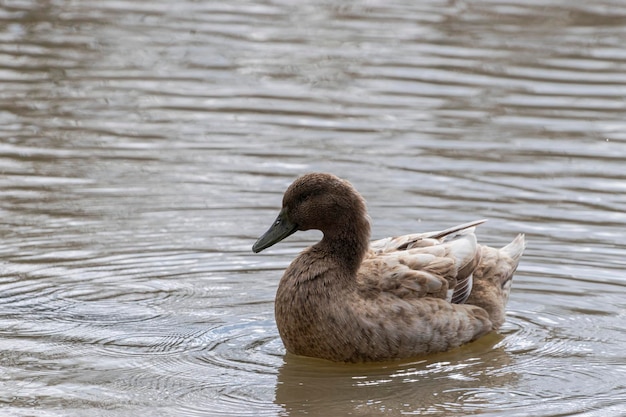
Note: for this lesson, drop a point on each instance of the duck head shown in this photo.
(318, 201)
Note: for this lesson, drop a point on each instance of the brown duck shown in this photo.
(351, 300)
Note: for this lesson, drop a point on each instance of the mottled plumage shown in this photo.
(346, 299)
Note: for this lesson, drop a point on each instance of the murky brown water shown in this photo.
(145, 145)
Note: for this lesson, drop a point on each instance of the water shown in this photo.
(145, 145)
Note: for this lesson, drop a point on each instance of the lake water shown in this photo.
(144, 146)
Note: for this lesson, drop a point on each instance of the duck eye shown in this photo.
(303, 198)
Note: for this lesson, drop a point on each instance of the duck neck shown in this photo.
(349, 243)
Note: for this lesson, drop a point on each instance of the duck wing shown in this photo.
(417, 240)
(436, 264)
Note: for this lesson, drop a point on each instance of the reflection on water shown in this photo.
(474, 376)
(144, 146)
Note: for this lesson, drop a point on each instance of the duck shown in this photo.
(349, 299)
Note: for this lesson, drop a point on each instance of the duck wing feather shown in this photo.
(436, 264)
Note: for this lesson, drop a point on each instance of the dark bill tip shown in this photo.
(280, 229)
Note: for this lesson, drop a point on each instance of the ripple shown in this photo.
(227, 369)
(548, 347)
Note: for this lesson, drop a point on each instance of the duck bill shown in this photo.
(280, 229)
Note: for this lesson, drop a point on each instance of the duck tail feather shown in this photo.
(515, 248)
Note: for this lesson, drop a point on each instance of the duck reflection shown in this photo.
(453, 383)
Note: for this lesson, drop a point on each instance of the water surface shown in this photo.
(145, 145)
